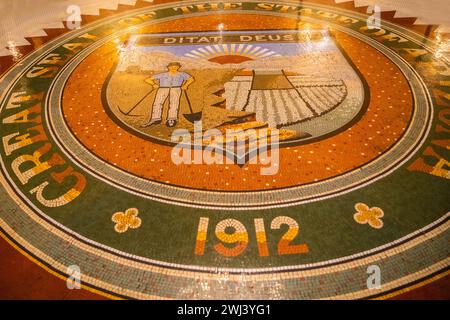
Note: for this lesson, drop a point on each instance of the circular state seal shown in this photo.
(275, 151)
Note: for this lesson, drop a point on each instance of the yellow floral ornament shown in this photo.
(372, 216)
(125, 220)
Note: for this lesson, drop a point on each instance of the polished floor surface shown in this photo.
(227, 150)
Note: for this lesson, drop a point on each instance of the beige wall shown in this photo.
(22, 18)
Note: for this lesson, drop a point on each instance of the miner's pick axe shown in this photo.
(135, 106)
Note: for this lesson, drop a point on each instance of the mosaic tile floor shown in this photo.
(228, 150)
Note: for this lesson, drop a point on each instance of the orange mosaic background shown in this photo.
(383, 124)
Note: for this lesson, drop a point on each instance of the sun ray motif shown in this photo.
(202, 50)
(248, 51)
(219, 49)
(225, 48)
(260, 52)
(233, 48)
(240, 47)
(211, 50)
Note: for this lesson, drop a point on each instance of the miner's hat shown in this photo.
(174, 64)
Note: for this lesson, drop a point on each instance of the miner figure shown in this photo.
(168, 84)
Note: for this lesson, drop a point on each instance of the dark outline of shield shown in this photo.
(232, 155)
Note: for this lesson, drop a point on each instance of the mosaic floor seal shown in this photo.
(116, 158)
